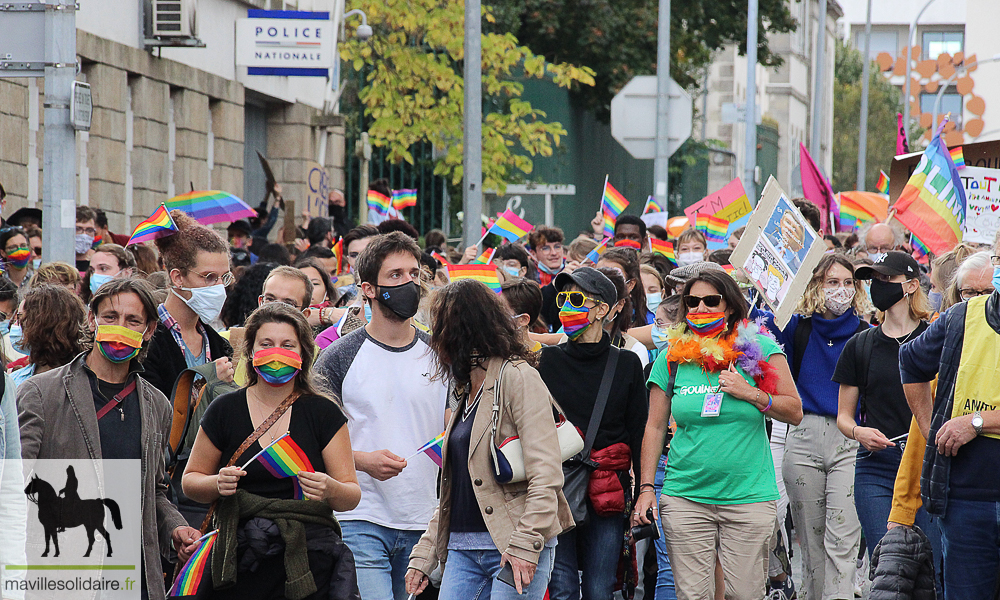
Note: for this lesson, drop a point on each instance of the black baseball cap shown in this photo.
(591, 281)
(240, 226)
(890, 263)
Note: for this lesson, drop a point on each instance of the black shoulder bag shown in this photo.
(577, 470)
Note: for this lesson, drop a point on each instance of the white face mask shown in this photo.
(839, 299)
(689, 258)
(206, 302)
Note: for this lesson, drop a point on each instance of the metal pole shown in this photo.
(472, 140)
(863, 135)
(662, 160)
(906, 79)
(750, 157)
(944, 87)
(815, 142)
(59, 170)
(336, 17)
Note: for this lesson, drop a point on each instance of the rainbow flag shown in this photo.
(283, 458)
(919, 249)
(613, 203)
(701, 223)
(212, 206)
(157, 225)
(595, 254)
(380, 203)
(486, 257)
(609, 225)
(511, 226)
(191, 573)
(433, 449)
(338, 253)
(652, 206)
(728, 268)
(932, 204)
(404, 199)
(882, 185)
(957, 157)
(485, 274)
(440, 257)
(663, 247)
(97, 242)
(853, 214)
(716, 229)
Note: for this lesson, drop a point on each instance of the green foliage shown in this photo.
(884, 101)
(414, 88)
(617, 38)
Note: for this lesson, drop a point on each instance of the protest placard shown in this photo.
(730, 203)
(982, 203)
(778, 251)
(317, 190)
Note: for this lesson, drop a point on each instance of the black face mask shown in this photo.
(885, 295)
(403, 299)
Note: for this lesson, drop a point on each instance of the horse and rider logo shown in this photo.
(66, 510)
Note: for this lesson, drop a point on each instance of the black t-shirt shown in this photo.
(465, 515)
(884, 402)
(121, 428)
(314, 422)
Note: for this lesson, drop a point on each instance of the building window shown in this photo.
(940, 42)
(951, 102)
(881, 41)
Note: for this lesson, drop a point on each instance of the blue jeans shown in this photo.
(472, 575)
(874, 479)
(969, 530)
(381, 555)
(664, 576)
(593, 548)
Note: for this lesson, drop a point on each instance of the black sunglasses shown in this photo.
(711, 301)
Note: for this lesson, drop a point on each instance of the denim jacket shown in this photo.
(13, 503)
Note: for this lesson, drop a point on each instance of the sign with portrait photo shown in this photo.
(778, 252)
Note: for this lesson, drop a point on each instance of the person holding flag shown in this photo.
(230, 463)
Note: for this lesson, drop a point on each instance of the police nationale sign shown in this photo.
(285, 42)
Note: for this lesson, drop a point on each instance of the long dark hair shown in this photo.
(53, 323)
(628, 259)
(726, 286)
(470, 326)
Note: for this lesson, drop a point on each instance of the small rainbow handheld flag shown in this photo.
(919, 249)
(486, 257)
(432, 449)
(440, 257)
(338, 253)
(652, 206)
(190, 575)
(701, 223)
(485, 274)
(609, 225)
(957, 157)
(404, 199)
(380, 203)
(613, 203)
(511, 226)
(663, 247)
(97, 242)
(595, 254)
(284, 458)
(882, 185)
(157, 225)
(716, 228)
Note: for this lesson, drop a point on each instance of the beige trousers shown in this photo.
(818, 467)
(740, 532)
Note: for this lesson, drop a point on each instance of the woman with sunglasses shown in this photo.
(16, 255)
(817, 462)
(573, 372)
(719, 377)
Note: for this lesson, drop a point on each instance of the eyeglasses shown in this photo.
(711, 301)
(995, 260)
(268, 298)
(575, 299)
(38, 251)
(968, 294)
(214, 278)
(89, 231)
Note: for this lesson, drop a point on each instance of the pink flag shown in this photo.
(901, 145)
(817, 190)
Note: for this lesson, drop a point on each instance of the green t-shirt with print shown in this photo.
(716, 460)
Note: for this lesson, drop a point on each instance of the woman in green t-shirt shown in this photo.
(719, 490)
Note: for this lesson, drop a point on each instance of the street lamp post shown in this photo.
(863, 135)
(906, 81)
(364, 31)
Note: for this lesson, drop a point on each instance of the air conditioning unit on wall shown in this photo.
(175, 18)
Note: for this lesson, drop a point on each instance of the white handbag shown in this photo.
(508, 456)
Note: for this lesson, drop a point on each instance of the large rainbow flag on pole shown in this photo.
(485, 274)
(190, 576)
(932, 204)
(157, 225)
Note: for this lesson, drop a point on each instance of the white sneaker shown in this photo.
(861, 576)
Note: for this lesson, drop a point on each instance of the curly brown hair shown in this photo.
(814, 298)
(470, 326)
(52, 325)
(180, 250)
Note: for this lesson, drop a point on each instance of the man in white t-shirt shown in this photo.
(382, 372)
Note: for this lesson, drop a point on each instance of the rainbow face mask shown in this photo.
(276, 366)
(118, 344)
(574, 320)
(19, 259)
(706, 324)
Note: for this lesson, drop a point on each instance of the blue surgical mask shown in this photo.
(996, 278)
(97, 280)
(653, 301)
(5, 327)
(659, 336)
(368, 312)
(35, 263)
(935, 299)
(513, 271)
(14, 336)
